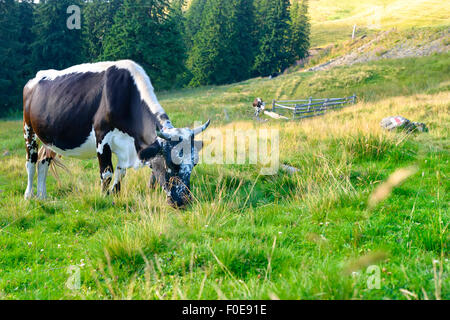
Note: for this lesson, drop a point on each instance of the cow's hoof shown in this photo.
(115, 189)
(28, 195)
(41, 196)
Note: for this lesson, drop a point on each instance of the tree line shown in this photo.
(203, 42)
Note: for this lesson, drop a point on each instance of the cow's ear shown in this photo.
(150, 152)
(198, 145)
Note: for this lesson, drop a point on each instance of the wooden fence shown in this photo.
(309, 107)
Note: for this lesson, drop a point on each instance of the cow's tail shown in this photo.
(55, 163)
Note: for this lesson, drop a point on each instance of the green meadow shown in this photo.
(365, 217)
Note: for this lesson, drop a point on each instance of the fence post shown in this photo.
(325, 105)
(273, 105)
(354, 98)
(309, 103)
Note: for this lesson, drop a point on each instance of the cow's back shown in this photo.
(61, 109)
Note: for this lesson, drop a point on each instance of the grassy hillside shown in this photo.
(247, 236)
(370, 82)
(333, 20)
(390, 44)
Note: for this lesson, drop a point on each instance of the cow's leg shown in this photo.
(32, 156)
(120, 173)
(153, 183)
(106, 168)
(42, 169)
(121, 151)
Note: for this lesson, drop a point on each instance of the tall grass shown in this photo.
(310, 235)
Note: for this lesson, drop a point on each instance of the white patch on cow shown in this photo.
(118, 175)
(31, 168)
(41, 179)
(106, 175)
(29, 140)
(86, 151)
(178, 134)
(26, 131)
(122, 145)
(138, 74)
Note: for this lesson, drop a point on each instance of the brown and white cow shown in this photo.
(103, 108)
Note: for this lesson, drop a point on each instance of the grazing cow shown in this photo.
(101, 109)
(259, 106)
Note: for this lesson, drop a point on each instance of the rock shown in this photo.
(399, 122)
(290, 170)
(6, 153)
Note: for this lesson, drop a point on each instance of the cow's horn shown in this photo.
(202, 128)
(163, 135)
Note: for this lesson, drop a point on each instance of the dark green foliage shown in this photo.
(273, 49)
(148, 32)
(56, 46)
(193, 18)
(98, 17)
(300, 29)
(222, 47)
(15, 21)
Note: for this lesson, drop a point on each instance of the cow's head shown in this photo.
(259, 103)
(173, 166)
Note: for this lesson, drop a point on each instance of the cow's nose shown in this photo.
(177, 204)
(180, 202)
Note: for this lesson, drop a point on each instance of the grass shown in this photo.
(333, 21)
(379, 43)
(307, 236)
(370, 82)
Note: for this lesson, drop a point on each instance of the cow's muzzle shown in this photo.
(180, 201)
(179, 195)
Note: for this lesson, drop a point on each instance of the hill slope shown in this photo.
(333, 21)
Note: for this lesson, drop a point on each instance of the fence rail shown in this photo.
(307, 108)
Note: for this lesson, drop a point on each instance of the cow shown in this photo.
(259, 107)
(100, 109)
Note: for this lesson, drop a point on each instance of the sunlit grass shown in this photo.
(333, 21)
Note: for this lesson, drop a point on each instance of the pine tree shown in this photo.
(56, 46)
(193, 18)
(273, 49)
(148, 32)
(300, 29)
(220, 52)
(15, 22)
(240, 39)
(98, 17)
